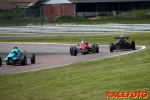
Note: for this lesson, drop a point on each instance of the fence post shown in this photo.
(17, 13)
(132, 19)
(41, 15)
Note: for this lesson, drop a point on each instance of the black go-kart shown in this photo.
(122, 44)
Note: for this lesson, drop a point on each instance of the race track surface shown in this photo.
(51, 55)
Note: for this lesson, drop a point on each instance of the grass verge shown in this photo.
(140, 39)
(84, 80)
(132, 17)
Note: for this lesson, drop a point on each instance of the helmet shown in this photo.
(83, 41)
(121, 35)
(15, 48)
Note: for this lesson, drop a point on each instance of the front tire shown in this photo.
(111, 47)
(74, 51)
(133, 45)
(8, 61)
(24, 60)
(93, 48)
(33, 59)
(96, 48)
(71, 51)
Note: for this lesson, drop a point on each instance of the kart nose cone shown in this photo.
(10, 56)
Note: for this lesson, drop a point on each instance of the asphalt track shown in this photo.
(50, 55)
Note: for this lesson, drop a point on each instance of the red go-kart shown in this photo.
(84, 49)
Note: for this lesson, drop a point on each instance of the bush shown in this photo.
(6, 15)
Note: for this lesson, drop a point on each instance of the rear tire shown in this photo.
(24, 60)
(133, 45)
(96, 48)
(74, 51)
(33, 59)
(111, 47)
(71, 51)
(0, 61)
(93, 48)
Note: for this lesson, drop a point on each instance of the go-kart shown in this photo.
(84, 49)
(15, 57)
(122, 44)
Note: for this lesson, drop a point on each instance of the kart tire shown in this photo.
(93, 48)
(71, 51)
(133, 45)
(24, 60)
(96, 48)
(7, 61)
(111, 47)
(74, 51)
(33, 59)
(0, 61)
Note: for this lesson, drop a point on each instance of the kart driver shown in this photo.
(121, 39)
(17, 52)
(83, 41)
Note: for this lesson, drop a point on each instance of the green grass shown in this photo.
(132, 17)
(83, 80)
(140, 38)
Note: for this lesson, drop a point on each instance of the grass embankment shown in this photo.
(139, 38)
(84, 80)
(132, 17)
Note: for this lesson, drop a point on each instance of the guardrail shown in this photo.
(75, 28)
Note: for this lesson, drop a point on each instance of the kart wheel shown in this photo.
(93, 47)
(71, 51)
(24, 60)
(74, 51)
(96, 48)
(8, 61)
(133, 45)
(0, 62)
(111, 47)
(33, 59)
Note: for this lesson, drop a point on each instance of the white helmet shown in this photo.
(83, 41)
(121, 35)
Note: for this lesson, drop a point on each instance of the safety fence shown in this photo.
(31, 17)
